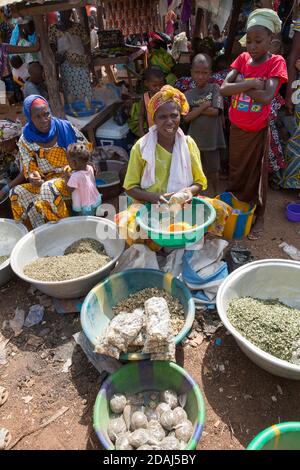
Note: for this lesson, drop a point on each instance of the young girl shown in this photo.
(254, 80)
(81, 180)
(154, 80)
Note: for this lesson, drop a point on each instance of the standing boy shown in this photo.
(206, 106)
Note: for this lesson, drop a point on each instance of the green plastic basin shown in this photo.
(200, 213)
(144, 376)
(283, 436)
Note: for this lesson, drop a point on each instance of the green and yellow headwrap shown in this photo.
(165, 95)
(263, 17)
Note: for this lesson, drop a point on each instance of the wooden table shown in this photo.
(137, 52)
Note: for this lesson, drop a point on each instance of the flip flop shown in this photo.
(5, 438)
(255, 235)
(3, 395)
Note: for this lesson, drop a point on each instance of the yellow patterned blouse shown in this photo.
(49, 162)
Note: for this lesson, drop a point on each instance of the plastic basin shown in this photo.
(293, 212)
(266, 279)
(97, 309)
(145, 376)
(109, 189)
(239, 223)
(10, 233)
(53, 238)
(200, 213)
(79, 109)
(283, 436)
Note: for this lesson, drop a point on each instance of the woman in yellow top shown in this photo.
(43, 158)
(164, 161)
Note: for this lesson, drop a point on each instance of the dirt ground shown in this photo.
(240, 401)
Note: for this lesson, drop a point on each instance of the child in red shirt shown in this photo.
(254, 80)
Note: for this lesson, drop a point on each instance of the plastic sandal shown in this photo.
(3, 395)
(5, 438)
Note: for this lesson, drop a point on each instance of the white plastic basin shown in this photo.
(10, 233)
(266, 279)
(53, 238)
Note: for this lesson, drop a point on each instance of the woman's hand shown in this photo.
(189, 193)
(35, 179)
(297, 65)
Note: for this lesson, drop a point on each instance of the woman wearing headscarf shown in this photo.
(254, 80)
(43, 157)
(163, 162)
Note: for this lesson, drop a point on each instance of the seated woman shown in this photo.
(43, 157)
(163, 162)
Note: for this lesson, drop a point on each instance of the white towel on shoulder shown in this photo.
(181, 175)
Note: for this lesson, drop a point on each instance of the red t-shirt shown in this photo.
(244, 112)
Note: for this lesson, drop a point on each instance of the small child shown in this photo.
(19, 70)
(205, 118)
(154, 80)
(81, 181)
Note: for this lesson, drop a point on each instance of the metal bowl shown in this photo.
(53, 238)
(10, 233)
(266, 279)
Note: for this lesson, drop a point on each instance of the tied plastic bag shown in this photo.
(137, 257)
(157, 319)
(124, 328)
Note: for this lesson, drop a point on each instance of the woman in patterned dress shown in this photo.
(71, 45)
(43, 157)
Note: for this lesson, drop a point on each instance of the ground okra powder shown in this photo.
(268, 324)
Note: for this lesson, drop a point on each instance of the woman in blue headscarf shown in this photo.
(43, 157)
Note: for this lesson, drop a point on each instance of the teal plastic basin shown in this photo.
(97, 309)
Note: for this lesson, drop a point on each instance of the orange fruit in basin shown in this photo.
(180, 227)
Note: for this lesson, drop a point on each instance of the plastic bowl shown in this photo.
(266, 279)
(199, 210)
(97, 309)
(109, 189)
(79, 109)
(53, 238)
(10, 233)
(283, 436)
(145, 376)
(293, 212)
